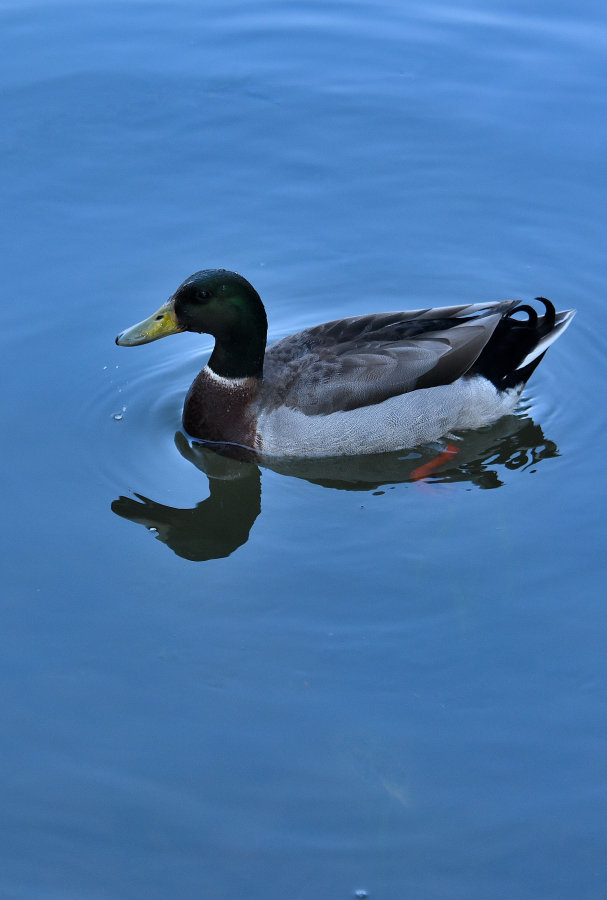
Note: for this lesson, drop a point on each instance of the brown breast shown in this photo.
(221, 409)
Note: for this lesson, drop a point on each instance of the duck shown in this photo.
(365, 384)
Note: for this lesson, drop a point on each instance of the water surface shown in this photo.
(277, 683)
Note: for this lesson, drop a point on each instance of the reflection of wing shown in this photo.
(514, 442)
(360, 361)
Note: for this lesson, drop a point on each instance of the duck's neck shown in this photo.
(240, 353)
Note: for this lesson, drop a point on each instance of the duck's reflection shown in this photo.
(217, 526)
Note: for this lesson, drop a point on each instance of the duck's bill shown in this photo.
(159, 325)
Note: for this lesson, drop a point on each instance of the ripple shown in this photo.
(567, 383)
(133, 411)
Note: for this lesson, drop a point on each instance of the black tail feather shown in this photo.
(512, 341)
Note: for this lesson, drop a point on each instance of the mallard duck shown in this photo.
(366, 384)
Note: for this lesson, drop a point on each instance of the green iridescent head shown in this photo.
(216, 302)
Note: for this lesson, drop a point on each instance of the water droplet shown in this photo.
(152, 530)
(118, 417)
(361, 894)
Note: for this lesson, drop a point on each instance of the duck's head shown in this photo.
(216, 302)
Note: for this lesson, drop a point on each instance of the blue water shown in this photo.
(298, 684)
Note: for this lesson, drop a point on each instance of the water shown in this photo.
(298, 683)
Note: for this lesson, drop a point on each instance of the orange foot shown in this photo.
(434, 464)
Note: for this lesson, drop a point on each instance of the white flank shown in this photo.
(407, 420)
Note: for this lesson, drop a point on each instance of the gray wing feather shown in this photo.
(360, 361)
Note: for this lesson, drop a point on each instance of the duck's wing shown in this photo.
(363, 360)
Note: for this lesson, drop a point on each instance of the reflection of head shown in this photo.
(213, 529)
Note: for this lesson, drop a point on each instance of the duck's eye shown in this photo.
(203, 295)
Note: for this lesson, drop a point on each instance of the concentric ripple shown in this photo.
(133, 413)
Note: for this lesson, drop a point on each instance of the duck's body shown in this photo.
(366, 384)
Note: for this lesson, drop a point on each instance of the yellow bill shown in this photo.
(162, 323)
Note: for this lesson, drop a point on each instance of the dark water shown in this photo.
(299, 684)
